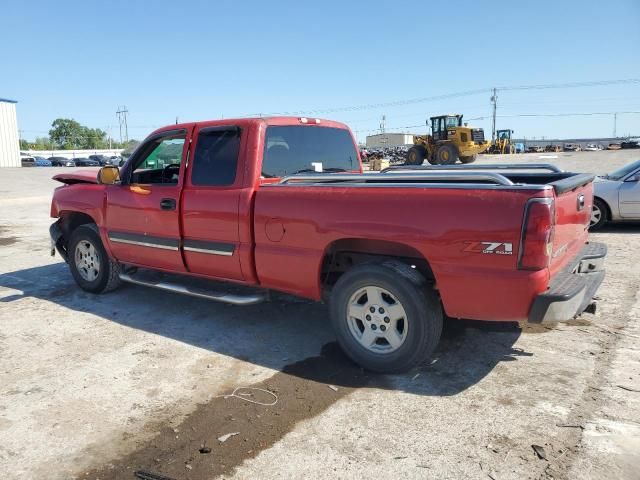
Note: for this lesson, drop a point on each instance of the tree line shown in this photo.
(67, 134)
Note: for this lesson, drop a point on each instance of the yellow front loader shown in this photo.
(449, 142)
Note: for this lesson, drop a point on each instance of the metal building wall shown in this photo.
(9, 140)
(389, 140)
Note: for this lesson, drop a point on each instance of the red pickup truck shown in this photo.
(283, 204)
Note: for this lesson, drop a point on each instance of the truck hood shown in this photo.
(79, 176)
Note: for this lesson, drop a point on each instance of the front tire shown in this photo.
(91, 267)
(447, 155)
(599, 215)
(415, 155)
(469, 159)
(386, 318)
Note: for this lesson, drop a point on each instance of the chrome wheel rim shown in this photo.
(596, 214)
(377, 320)
(87, 260)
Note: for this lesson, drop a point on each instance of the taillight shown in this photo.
(536, 243)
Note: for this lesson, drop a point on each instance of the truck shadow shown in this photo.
(287, 334)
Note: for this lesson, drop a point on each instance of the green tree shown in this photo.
(42, 143)
(94, 138)
(24, 145)
(129, 147)
(66, 133)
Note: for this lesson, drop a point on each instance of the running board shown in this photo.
(194, 291)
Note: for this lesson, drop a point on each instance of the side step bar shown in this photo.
(233, 299)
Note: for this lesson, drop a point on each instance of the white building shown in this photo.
(9, 139)
(389, 140)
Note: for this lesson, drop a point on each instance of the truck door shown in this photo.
(142, 219)
(629, 197)
(211, 202)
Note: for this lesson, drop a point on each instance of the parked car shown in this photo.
(553, 148)
(535, 149)
(61, 162)
(281, 203)
(86, 162)
(27, 161)
(630, 144)
(42, 162)
(114, 160)
(617, 196)
(101, 159)
(571, 147)
(614, 146)
(591, 147)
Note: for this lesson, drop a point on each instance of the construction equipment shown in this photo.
(502, 143)
(449, 141)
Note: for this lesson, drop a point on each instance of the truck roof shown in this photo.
(274, 120)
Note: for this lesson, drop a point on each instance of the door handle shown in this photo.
(168, 204)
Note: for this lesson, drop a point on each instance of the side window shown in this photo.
(159, 161)
(216, 157)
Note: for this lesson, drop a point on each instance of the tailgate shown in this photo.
(574, 199)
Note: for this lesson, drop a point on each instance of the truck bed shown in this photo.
(436, 212)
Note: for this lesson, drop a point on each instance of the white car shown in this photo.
(592, 147)
(616, 196)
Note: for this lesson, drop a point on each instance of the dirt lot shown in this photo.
(100, 386)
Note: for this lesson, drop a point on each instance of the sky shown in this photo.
(202, 60)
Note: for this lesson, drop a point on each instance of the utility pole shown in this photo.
(383, 124)
(494, 101)
(615, 121)
(122, 120)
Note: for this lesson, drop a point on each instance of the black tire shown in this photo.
(416, 297)
(415, 155)
(447, 154)
(599, 205)
(469, 159)
(107, 277)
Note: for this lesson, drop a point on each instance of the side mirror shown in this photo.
(633, 178)
(109, 175)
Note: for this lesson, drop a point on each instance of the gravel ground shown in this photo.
(97, 386)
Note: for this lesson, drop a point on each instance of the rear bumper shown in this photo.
(572, 290)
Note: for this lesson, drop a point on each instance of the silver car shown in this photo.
(616, 196)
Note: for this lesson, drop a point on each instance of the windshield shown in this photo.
(295, 149)
(452, 122)
(624, 171)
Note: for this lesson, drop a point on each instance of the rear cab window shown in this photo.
(289, 150)
(215, 161)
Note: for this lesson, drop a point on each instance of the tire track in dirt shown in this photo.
(192, 450)
(570, 442)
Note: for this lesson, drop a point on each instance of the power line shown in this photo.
(572, 114)
(447, 96)
(597, 83)
(569, 114)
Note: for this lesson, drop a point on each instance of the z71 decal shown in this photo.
(497, 248)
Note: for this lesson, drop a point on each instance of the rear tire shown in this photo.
(415, 155)
(447, 154)
(599, 215)
(406, 322)
(91, 267)
(469, 159)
